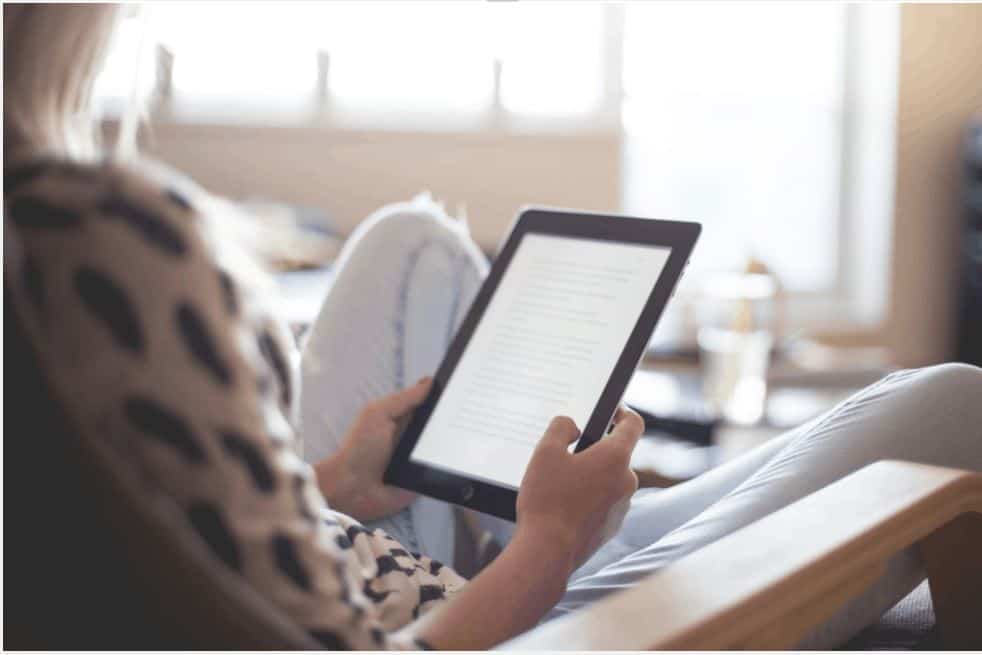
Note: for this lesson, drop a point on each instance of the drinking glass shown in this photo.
(736, 333)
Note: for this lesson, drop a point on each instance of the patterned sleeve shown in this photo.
(153, 346)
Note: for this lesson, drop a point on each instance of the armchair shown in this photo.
(90, 563)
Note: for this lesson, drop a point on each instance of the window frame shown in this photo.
(857, 297)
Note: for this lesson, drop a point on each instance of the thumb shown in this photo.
(399, 403)
(562, 431)
(400, 497)
(628, 428)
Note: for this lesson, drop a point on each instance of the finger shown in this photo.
(400, 498)
(627, 430)
(399, 403)
(620, 412)
(562, 431)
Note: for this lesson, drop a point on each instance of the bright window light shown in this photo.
(129, 68)
(732, 112)
(551, 57)
(733, 117)
(416, 57)
(384, 57)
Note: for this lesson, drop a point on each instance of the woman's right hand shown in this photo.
(567, 498)
(564, 503)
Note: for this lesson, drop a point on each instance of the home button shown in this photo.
(466, 492)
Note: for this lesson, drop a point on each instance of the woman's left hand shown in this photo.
(351, 479)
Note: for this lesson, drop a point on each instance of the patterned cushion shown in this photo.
(909, 625)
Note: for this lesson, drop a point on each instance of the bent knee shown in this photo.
(401, 236)
(952, 387)
(406, 224)
(953, 378)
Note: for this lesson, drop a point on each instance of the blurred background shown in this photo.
(828, 149)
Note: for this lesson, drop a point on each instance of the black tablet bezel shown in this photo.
(486, 497)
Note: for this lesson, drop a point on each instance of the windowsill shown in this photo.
(348, 173)
(300, 117)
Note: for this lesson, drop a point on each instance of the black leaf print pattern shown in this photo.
(241, 448)
(388, 564)
(121, 317)
(208, 523)
(427, 593)
(354, 530)
(177, 199)
(285, 554)
(372, 595)
(331, 640)
(154, 229)
(33, 213)
(22, 175)
(163, 425)
(299, 486)
(229, 296)
(200, 343)
(345, 593)
(269, 349)
(430, 592)
(108, 303)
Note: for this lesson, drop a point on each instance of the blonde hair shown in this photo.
(51, 56)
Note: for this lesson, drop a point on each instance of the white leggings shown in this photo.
(403, 282)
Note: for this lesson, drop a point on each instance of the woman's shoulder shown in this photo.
(105, 240)
(126, 211)
(79, 189)
(143, 238)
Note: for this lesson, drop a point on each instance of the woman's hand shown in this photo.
(565, 502)
(574, 500)
(351, 479)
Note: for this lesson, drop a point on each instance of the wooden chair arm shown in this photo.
(768, 584)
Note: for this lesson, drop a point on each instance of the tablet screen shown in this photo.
(547, 344)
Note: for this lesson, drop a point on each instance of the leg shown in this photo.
(656, 512)
(928, 415)
(403, 282)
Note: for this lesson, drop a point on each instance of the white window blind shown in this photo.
(732, 114)
(384, 58)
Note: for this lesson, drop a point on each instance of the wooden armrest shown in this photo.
(768, 584)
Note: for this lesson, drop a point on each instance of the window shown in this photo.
(380, 62)
(747, 117)
(733, 114)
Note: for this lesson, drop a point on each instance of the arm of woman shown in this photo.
(507, 598)
(152, 347)
(351, 478)
(564, 504)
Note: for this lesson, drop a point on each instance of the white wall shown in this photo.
(940, 89)
(349, 174)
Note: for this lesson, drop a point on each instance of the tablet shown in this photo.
(557, 328)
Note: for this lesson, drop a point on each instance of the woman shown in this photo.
(153, 337)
